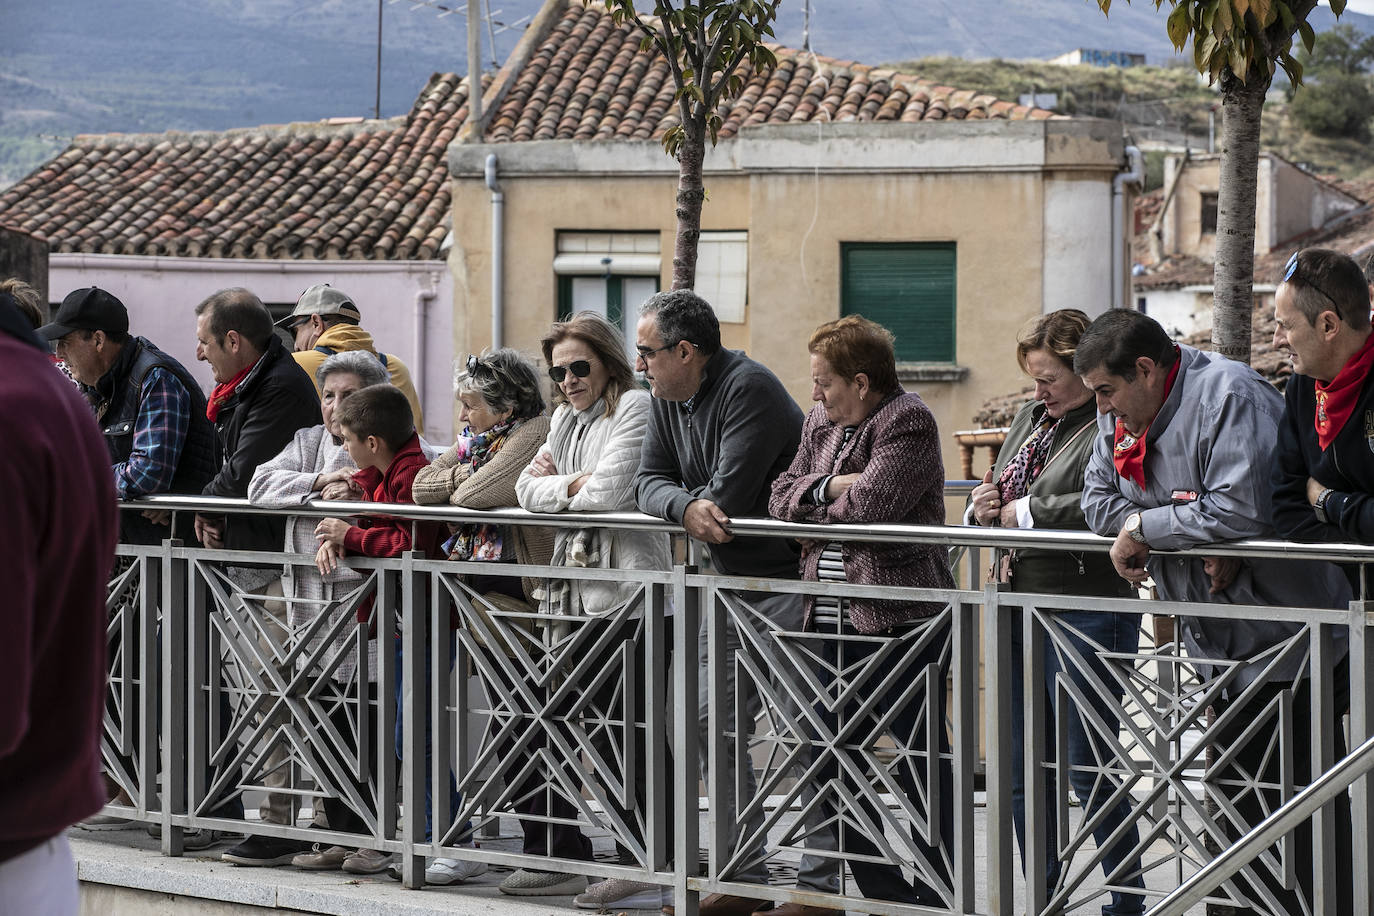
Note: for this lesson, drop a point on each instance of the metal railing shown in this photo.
(833, 759)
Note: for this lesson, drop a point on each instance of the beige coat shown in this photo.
(451, 481)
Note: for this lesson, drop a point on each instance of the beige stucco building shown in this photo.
(953, 232)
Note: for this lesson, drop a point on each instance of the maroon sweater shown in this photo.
(57, 545)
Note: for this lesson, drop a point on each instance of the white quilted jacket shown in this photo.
(608, 448)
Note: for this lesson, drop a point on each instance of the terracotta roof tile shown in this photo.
(360, 189)
(588, 81)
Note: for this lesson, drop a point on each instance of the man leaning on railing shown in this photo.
(1182, 460)
(261, 397)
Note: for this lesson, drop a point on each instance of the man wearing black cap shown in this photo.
(149, 407)
(325, 322)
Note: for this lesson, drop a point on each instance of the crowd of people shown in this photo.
(1129, 435)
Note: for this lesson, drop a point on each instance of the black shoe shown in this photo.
(265, 851)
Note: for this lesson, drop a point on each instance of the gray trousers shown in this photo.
(815, 872)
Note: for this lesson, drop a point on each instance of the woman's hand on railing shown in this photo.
(323, 482)
(342, 489)
(987, 501)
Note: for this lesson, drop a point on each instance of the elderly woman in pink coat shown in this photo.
(870, 453)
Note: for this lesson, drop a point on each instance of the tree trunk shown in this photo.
(690, 194)
(1233, 277)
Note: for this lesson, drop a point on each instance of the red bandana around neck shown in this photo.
(1128, 451)
(1336, 399)
(223, 391)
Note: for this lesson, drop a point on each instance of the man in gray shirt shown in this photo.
(1182, 460)
(722, 428)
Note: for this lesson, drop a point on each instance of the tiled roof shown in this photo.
(587, 80)
(366, 190)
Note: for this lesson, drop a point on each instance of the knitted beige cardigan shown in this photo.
(449, 480)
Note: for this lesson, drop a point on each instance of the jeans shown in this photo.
(424, 690)
(1112, 633)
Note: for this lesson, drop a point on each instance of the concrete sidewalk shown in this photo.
(122, 872)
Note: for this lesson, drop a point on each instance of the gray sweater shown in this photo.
(1207, 481)
(739, 433)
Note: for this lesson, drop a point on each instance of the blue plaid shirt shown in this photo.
(164, 416)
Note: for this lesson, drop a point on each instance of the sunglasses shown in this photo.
(1292, 270)
(475, 363)
(578, 367)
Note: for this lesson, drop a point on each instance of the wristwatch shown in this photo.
(1132, 528)
(1319, 507)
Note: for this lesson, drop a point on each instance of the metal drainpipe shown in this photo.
(422, 298)
(1133, 175)
(498, 206)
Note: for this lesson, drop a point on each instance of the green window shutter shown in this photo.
(909, 289)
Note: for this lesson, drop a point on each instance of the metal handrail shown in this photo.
(1354, 766)
(944, 535)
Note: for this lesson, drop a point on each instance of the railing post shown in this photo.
(1035, 741)
(149, 694)
(413, 723)
(1361, 729)
(965, 747)
(176, 690)
(997, 691)
(1323, 757)
(686, 852)
(656, 840)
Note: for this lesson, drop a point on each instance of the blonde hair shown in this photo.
(1058, 332)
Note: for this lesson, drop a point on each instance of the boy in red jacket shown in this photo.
(379, 434)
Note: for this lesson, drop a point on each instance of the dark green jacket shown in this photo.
(1055, 498)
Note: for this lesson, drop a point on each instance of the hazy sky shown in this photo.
(1360, 6)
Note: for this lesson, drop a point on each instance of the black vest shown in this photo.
(121, 393)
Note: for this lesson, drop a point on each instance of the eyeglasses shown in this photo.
(578, 367)
(645, 352)
(1292, 270)
(475, 363)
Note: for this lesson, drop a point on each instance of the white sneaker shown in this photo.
(444, 871)
(623, 894)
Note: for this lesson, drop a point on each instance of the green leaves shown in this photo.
(711, 45)
(1239, 35)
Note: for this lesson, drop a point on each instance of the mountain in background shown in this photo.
(85, 66)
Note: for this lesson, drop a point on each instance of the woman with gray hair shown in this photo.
(503, 410)
(314, 465)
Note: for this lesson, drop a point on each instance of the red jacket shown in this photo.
(383, 535)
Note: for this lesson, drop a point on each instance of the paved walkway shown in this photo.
(129, 858)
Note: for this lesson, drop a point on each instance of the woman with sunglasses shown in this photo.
(589, 464)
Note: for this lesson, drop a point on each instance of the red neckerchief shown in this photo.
(1336, 398)
(1128, 451)
(223, 391)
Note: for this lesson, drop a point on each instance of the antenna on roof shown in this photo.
(806, 26)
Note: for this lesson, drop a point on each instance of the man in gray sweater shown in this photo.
(1182, 460)
(722, 428)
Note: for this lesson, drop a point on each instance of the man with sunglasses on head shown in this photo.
(721, 428)
(326, 321)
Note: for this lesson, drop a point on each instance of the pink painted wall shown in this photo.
(162, 293)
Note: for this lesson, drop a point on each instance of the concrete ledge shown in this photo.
(122, 872)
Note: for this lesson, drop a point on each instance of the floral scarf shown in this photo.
(479, 541)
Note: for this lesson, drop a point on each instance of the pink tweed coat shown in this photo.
(896, 452)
